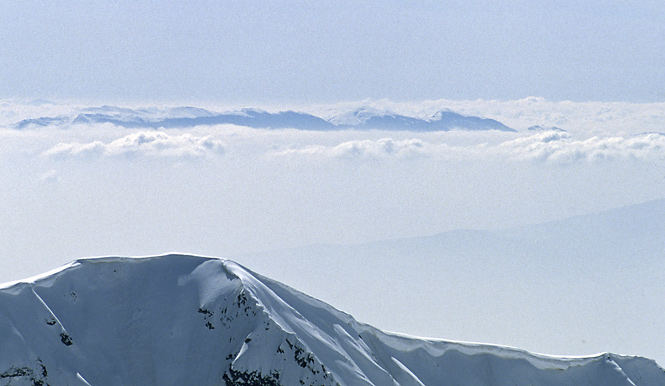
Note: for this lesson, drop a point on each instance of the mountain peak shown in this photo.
(357, 116)
(367, 117)
(179, 319)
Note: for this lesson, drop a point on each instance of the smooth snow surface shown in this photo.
(186, 320)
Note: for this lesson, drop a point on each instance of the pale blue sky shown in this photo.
(297, 51)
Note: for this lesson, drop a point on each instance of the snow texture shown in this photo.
(187, 320)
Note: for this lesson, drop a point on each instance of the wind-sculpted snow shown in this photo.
(185, 320)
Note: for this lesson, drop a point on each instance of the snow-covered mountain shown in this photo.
(186, 320)
(180, 117)
(443, 120)
(245, 117)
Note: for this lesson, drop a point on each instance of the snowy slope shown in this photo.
(186, 320)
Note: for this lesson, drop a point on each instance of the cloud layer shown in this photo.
(385, 147)
(150, 143)
(547, 146)
(594, 131)
(559, 147)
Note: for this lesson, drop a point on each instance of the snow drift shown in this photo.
(187, 320)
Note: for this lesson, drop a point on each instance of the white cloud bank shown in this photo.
(548, 146)
(147, 143)
(367, 148)
(559, 147)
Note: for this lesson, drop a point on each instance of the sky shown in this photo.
(296, 51)
(592, 69)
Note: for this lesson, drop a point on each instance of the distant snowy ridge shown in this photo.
(181, 117)
(186, 320)
(443, 120)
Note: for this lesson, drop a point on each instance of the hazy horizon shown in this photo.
(90, 167)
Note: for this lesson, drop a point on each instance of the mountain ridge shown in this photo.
(117, 320)
(187, 116)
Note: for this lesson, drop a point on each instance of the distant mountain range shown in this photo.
(181, 117)
(444, 120)
(187, 320)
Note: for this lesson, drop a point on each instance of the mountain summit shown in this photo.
(187, 320)
(368, 118)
